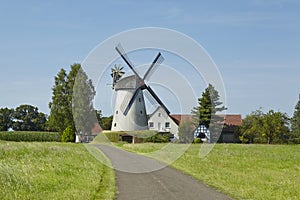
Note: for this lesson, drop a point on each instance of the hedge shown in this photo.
(24, 136)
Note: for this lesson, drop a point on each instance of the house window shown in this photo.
(159, 114)
(167, 124)
(151, 124)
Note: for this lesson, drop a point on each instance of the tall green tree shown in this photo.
(6, 119)
(28, 118)
(209, 105)
(205, 112)
(251, 127)
(67, 106)
(295, 123)
(84, 113)
(275, 127)
(59, 106)
(270, 127)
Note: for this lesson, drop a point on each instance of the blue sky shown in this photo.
(255, 44)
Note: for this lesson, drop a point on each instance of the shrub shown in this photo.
(158, 138)
(112, 136)
(68, 135)
(25, 136)
(294, 141)
(197, 140)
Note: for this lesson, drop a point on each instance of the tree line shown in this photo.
(68, 105)
(271, 127)
(257, 127)
(23, 118)
(63, 108)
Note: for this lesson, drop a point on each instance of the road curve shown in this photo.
(165, 183)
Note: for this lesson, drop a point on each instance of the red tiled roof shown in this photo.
(180, 118)
(235, 120)
(231, 119)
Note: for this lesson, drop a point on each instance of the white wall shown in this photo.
(160, 116)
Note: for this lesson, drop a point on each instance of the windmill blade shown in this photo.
(124, 56)
(150, 98)
(157, 99)
(125, 102)
(132, 101)
(157, 61)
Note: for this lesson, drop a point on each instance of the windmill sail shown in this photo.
(140, 83)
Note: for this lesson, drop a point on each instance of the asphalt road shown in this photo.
(142, 178)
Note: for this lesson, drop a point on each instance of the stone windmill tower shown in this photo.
(130, 109)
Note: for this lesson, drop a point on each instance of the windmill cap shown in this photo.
(129, 82)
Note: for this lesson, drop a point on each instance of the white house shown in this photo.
(160, 121)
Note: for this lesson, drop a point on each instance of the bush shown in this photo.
(113, 136)
(25, 136)
(197, 140)
(260, 140)
(68, 135)
(158, 138)
(294, 141)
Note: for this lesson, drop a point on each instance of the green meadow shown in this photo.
(35, 170)
(241, 171)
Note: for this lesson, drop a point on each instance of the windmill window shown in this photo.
(151, 124)
(141, 112)
(139, 99)
(115, 124)
(167, 124)
(117, 112)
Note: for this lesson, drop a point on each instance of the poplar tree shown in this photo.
(62, 106)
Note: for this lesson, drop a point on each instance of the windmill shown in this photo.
(116, 74)
(130, 109)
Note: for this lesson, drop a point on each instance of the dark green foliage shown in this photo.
(209, 105)
(270, 127)
(72, 100)
(28, 118)
(159, 138)
(113, 136)
(82, 103)
(59, 106)
(186, 132)
(295, 125)
(106, 122)
(24, 136)
(197, 140)
(6, 119)
(68, 135)
(250, 128)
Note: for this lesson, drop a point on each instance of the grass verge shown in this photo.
(53, 171)
(241, 171)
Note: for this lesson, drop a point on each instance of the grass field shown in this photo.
(53, 171)
(241, 171)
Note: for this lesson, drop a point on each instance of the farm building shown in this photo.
(160, 121)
